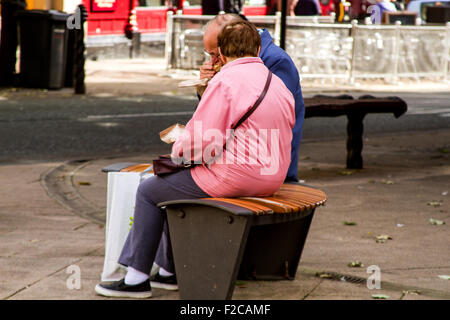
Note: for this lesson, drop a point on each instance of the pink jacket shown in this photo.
(258, 154)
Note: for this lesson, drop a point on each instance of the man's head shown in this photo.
(212, 31)
(239, 39)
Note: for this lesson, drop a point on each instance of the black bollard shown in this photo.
(9, 40)
(79, 51)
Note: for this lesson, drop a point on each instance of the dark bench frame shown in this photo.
(355, 110)
(216, 243)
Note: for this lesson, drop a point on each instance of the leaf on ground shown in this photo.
(380, 296)
(348, 223)
(414, 292)
(383, 238)
(436, 222)
(323, 275)
(347, 172)
(241, 284)
(445, 277)
(387, 181)
(84, 183)
(355, 264)
(435, 203)
(444, 150)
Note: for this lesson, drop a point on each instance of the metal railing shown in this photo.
(322, 49)
(400, 52)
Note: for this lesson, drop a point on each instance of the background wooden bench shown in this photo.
(355, 110)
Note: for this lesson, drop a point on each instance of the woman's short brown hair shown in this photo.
(239, 39)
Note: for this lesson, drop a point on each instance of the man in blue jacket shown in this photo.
(277, 61)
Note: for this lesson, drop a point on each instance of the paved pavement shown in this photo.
(52, 218)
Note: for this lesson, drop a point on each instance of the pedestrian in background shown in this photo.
(306, 7)
(213, 7)
(276, 6)
(383, 6)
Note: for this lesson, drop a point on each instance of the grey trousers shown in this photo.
(149, 238)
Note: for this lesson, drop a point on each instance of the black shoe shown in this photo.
(119, 289)
(168, 283)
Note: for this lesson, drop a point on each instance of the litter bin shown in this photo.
(43, 48)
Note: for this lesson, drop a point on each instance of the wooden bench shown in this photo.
(355, 110)
(216, 241)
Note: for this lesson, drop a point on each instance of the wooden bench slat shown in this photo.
(292, 198)
(295, 206)
(276, 206)
(305, 193)
(313, 201)
(256, 208)
(117, 167)
(140, 167)
(302, 204)
(301, 188)
(300, 195)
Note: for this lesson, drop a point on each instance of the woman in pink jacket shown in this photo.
(249, 161)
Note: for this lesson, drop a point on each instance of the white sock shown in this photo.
(164, 273)
(134, 277)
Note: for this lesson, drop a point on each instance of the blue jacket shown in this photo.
(279, 62)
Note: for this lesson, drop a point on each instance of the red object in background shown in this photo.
(326, 6)
(109, 22)
(103, 21)
(255, 11)
(193, 10)
(103, 5)
(151, 20)
(179, 4)
(358, 8)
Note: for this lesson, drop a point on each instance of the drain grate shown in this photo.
(341, 277)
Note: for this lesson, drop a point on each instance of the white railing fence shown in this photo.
(322, 49)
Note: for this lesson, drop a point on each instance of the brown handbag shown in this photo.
(164, 164)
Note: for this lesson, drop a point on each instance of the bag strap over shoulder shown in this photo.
(257, 103)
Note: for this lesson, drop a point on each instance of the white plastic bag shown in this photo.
(121, 199)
